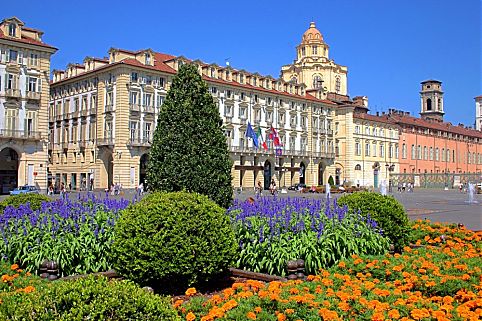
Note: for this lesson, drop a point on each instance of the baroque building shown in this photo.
(313, 67)
(24, 95)
(103, 113)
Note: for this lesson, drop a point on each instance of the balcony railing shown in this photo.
(106, 141)
(148, 109)
(229, 119)
(134, 107)
(81, 143)
(109, 108)
(84, 112)
(15, 93)
(65, 145)
(20, 134)
(33, 95)
(139, 141)
(59, 117)
(75, 114)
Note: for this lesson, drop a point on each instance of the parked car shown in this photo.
(27, 189)
(297, 187)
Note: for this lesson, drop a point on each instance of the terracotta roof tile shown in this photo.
(410, 120)
(381, 119)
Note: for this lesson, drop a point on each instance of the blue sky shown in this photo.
(388, 46)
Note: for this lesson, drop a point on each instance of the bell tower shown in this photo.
(431, 100)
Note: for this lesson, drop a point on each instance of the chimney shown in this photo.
(378, 114)
(361, 101)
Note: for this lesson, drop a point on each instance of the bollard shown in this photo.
(292, 267)
(301, 269)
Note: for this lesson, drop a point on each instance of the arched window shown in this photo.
(429, 104)
(12, 30)
(358, 167)
(317, 82)
(294, 80)
(337, 85)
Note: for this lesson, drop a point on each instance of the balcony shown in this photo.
(92, 111)
(20, 134)
(64, 145)
(229, 119)
(135, 107)
(148, 109)
(243, 121)
(109, 108)
(107, 141)
(141, 142)
(13, 93)
(84, 112)
(75, 114)
(33, 95)
(59, 117)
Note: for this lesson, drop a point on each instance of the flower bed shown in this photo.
(76, 234)
(441, 281)
(272, 231)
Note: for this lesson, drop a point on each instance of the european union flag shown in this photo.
(251, 134)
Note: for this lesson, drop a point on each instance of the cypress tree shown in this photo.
(189, 150)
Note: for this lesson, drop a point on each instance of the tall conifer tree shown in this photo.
(189, 150)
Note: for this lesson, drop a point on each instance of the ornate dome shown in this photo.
(312, 35)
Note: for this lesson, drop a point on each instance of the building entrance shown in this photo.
(8, 170)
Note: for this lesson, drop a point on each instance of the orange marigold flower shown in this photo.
(190, 291)
(29, 289)
(394, 314)
(342, 265)
(251, 315)
(294, 291)
(14, 267)
(289, 311)
(281, 317)
(258, 309)
(177, 303)
(378, 317)
(190, 316)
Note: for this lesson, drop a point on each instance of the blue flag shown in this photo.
(251, 134)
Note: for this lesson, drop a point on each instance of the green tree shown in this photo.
(189, 150)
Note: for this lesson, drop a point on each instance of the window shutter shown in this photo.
(39, 85)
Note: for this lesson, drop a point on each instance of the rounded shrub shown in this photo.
(92, 298)
(385, 210)
(35, 201)
(173, 240)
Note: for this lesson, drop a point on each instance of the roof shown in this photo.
(478, 97)
(431, 80)
(442, 126)
(27, 40)
(374, 118)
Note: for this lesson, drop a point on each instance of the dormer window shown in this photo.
(254, 82)
(12, 30)
(148, 59)
(212, 73)
(241, 78)
(180, 63)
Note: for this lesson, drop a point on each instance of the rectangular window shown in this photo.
(228, 110)
(134, 76)
(367, 149)
(412, 154)
(133, 98)
(33, 59)
(133, 130)
(358, 149)
(242, 112)
(160, 100)
(32, 84)
(404, 151)
(269, 116)
(148, 100)
(12, 55)
(382, 150)
(161, 82)
(374, 149)
(147, 131)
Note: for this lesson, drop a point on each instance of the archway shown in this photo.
(8, 170)
(267, 174)
(143, 169)
(302, 173)
(321, 171)
(429, 104)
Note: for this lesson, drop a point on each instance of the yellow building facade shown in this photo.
(24, 99)
(103, 113)
(367, 145)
